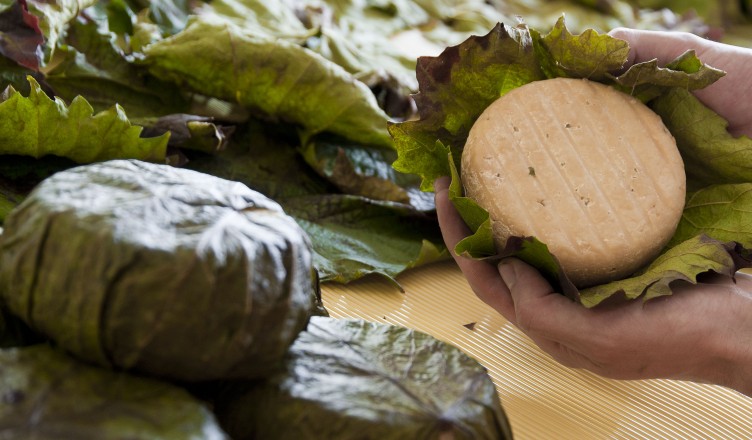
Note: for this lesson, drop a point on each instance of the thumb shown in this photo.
(541, 313)
(523, 281)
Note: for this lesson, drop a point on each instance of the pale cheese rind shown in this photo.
(588, 170)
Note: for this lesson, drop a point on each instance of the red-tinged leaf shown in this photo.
(21, 39)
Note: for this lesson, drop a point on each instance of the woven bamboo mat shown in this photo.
(542, 399)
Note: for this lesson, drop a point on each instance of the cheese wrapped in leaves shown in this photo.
(162, 270)
(48, 395)
(353, 379)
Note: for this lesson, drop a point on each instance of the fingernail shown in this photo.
(507, 272)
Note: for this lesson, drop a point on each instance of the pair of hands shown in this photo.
(700, 333)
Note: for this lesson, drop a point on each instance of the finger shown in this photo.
(723, 95)
(541, 312)
(546, 326)
(482, 277)
(664, 46)
(453, 228)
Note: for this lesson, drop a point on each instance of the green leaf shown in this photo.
(723, 212)
(344, 378)
(260, 18)
(685, 261)
(190, 132)
(354, 236)
(266, 158)
(280, 79)
(37, 126)
(364, 171)
(92, 64)
(480, 243)
(366, 50)
(711, 155)
(455, 88)
(588, 55)
(170, 15)
(40, 383)
(54, 18)
(12, 74)
(647, 80)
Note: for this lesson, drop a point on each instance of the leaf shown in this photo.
(455, 88)
(190, 132)
(723, 212)
(12, 74)
(711, 155)
(364, 171)
(91, 64)
(266, 158)
(261, 18)
(647, 80)
(352, 235)
(21, 38)
(54, 18)
(685, 261)
(480, 243)
(686, 72)
(346, 377)
(40, 382)
(280, 79)
(356, 37)
(37, 126)
(588, 55)
(170, 16)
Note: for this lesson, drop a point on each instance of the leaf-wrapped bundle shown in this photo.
(48, 395)
(158, 269)
(348, 379)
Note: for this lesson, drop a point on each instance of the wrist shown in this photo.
(730, 343)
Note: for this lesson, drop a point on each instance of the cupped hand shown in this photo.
(699, 333)
(730, 96)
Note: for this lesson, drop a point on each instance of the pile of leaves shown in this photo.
(291, 98)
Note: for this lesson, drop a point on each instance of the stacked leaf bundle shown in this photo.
(185, 277)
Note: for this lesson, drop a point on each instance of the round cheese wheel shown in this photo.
(588, 170)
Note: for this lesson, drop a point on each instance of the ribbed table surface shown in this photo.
(542, 399)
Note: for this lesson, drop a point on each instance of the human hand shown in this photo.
(700, 333)
(730, 96)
